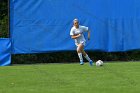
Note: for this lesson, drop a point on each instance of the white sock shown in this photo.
(80, 57)
(87, 57)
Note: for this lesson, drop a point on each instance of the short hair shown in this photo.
(75, 20)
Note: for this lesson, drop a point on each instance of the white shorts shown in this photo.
(82, 42)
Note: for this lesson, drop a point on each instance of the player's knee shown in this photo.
(79, 50)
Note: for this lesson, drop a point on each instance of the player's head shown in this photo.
(76, 23)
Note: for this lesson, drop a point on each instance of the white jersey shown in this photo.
(80, 30)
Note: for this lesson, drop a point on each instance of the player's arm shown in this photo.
(86, 29)
(88, 34)
(75, 36)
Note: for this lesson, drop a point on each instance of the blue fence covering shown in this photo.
(43, 25)
(5, 52)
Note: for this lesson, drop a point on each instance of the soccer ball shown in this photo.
(99, 63)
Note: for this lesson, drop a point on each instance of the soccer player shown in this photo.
(77, 34)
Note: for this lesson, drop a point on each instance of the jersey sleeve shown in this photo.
(71, 32)
(85, 29)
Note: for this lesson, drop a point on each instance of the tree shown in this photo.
(3, 18)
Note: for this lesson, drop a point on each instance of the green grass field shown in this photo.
(116, 77)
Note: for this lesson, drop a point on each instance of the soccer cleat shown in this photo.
(91, 62)
(81, 63)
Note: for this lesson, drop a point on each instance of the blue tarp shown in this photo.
(5, 51)
(43, 25)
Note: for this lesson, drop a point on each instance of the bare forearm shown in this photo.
(88, 35)
(75, 36)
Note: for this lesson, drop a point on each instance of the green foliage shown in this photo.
(4, 19)
(71, 56)
(4, 27)
(45, 58)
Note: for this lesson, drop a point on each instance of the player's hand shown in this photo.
(79, 35)
(88, 38)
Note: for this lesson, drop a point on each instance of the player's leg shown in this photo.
(79, 51)
(87, 57)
